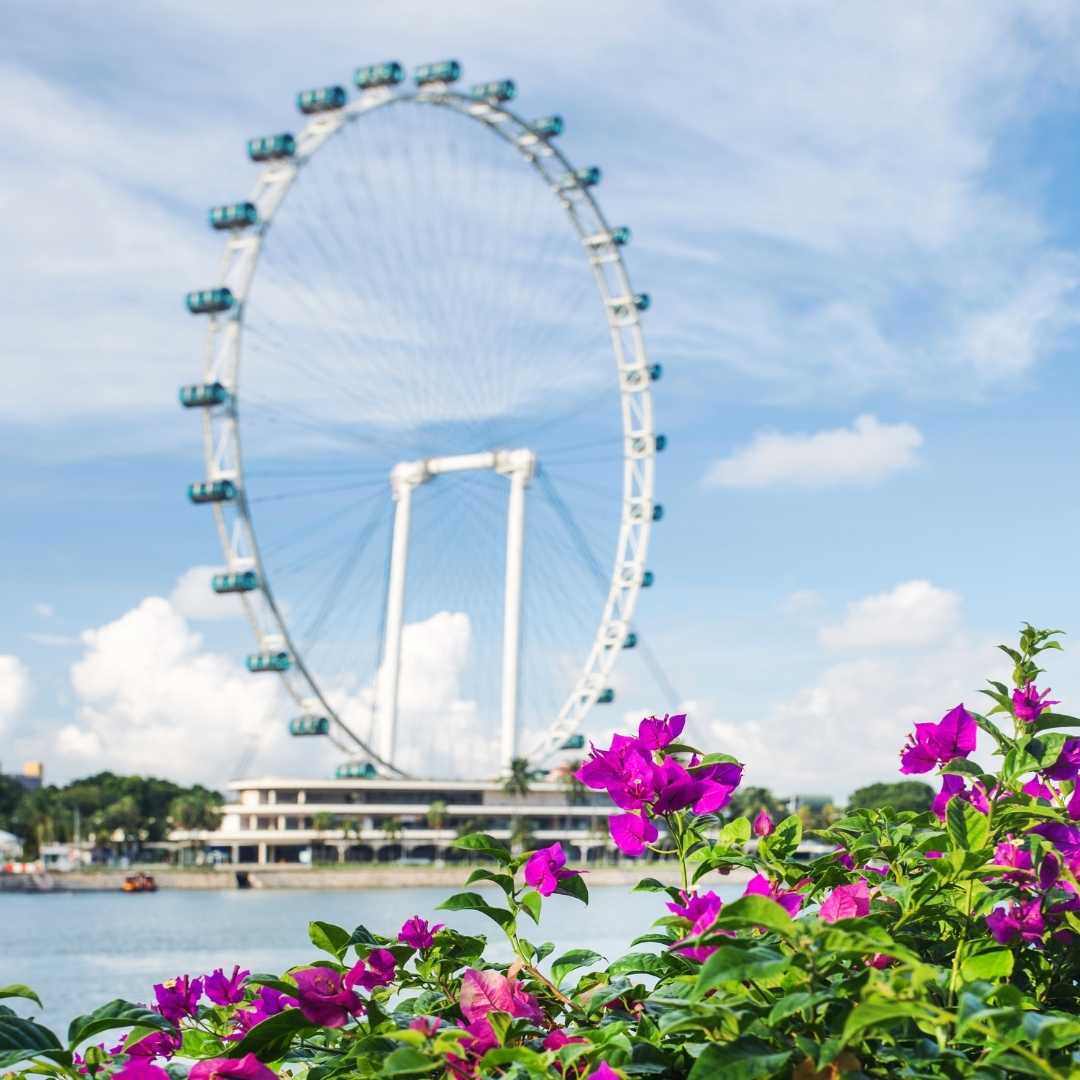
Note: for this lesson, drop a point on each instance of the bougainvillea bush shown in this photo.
(937, 944)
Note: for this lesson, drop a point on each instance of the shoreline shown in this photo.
(358, 879)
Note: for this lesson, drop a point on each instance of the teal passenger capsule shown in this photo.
(620, 235)
(573, 742)
(647, 579)
(630, 641)
(208, 491)
(584, 177)
(442, 71)
(356, 770)
(547, 127)
(202, 395)
(657, 512)
(268, 661)
(234, 215)
(324, 99)
(271, 147)
(606, 696)
(497, 90)
(310, 725)
(372, 75)
(655, 371)
(209, 301)
(244, 581)
(661, 443)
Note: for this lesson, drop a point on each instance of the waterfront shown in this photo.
(79, 950)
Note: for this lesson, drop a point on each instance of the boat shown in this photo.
(139, 883)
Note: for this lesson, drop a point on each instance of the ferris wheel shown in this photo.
(439, 522)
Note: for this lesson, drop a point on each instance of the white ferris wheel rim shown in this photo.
(222, 435)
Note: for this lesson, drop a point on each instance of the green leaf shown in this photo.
(515, 1055)
(1050, 720)
(470, 901)
(963, 767)
(796, 1002)
(363, 936)
(571, 961)
(484, 845)
(755, 911)
(735, 833)
(112, 1015)
(783, 841)
(875, 1013)
(574, 886)
(405, 1061)
(482, 873)
(329, 938)
(274, 983)
(992, 964)
(641, 963)
(650, 884)
(21, 1039)
(733, 963)
(272, 1038)
(18, 990)
(744, 1059)
(532, 902)
(968, 829)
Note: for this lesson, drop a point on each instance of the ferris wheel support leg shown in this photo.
(395, 609)
(515, 546)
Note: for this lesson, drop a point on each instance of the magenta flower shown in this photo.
(606, 767)
(847, 902)
(268, 1002)
(1023, 919)
(139, 1068)
(603, 1071)
(377, 971)
(640, 781)
(789, 899)
(248, 1067)
(544, 870)
(428, 1026)
(324, 998)
(1037, 789)
(700, 911)
(655, 734)
(936, 744)
(488, 991)
(1067, 766)
(157, 1044)
(1010, 853)
(763, 824)
(1029, 704)
(844, 859)
(631, 832)
(557, 1039)
(222, 990)
(879, 961)
(178, 998)
(953, 787)
(418, 934)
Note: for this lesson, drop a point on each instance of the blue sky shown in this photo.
(839, 214)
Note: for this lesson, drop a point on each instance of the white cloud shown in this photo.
(914, 613)
(193, 598)
(44, 611)
(864, 454)
(15, 688)
(51, 641)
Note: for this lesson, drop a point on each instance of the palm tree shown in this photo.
(197, 811)
(566, 774)
(521, 833)
(520, 777)
(436, 814)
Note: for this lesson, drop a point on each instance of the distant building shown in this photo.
(277, 820)
(32, 776)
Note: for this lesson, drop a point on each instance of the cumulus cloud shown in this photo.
(913, 613)
(193, 598)
(865, 453)
(15, 688)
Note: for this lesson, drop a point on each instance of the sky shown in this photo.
(860, 233)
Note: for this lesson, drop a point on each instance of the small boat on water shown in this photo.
(139, 883)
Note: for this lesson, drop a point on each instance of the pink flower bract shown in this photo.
(248, 1067)
(846, 902)
(544, 869)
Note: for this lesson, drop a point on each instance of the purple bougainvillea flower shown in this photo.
(880, 960)
(640, 781)
(606, 767)
(428, 1026)
(225, 990)
(1067, 766)
(324, 999)
(248, 1067)
(139, 1068)
(544, 870)
(1010, 853)
(631, 832)
(377, 970)
(156, 1044)
(844, 859)
(488, 991)
(933, 854)
(791, 900)
(1037, 789)
(700, 910)
(603, 1071)
(1029, 704)
(1066, 838)
(763, 824)
(935, 744)
(953, 787)
(178, 998)
(847, 902)
(417, 933)
(1072, 808)
(557, 1039)
(655, 734)
(1022, 918)
(267, 1002)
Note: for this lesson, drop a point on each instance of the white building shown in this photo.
(287, 820)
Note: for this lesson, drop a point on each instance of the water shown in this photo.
(79, 950)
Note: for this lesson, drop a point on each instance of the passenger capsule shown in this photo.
(244, 581)
(606, 696)
(356, 770)
(234, 215)
(209, 491)
(444, 71)
(271, 147)
(585, 177)
(630, 641)
(620, 235)
(573, 742)
(309, 725)
(268, 661)
(647, 579)
(657, 512)
(497, 90)
(209, 301)
(655, 371)
(372, 75)
(324, 99)
(661, 443)
(547, 127)
(202, 395)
